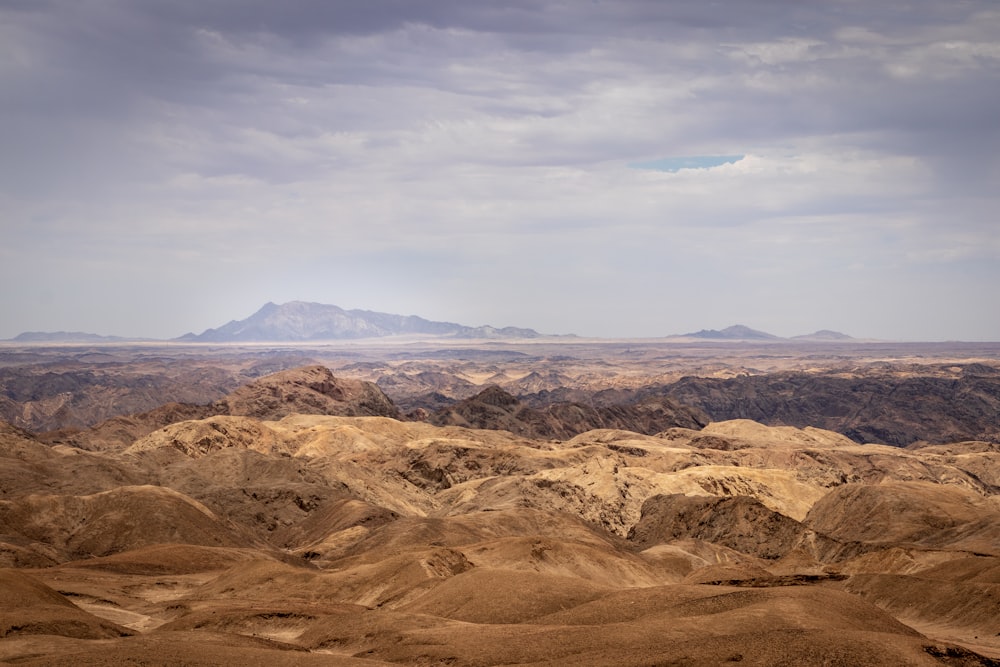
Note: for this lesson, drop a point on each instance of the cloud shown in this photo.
(455, 153)
(673, 164)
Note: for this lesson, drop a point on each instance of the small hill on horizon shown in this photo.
(735, 332)
(740, 332)
(824, 335)
(305, 321)
(64, 337)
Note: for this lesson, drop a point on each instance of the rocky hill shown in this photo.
(311, 390)
(494, 408)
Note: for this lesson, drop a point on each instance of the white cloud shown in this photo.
(778, 52)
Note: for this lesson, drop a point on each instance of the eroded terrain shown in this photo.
(301, 521)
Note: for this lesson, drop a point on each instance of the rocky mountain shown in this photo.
(304, 321)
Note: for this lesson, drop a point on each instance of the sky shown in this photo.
(625, 168)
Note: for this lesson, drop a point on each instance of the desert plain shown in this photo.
(532, 502)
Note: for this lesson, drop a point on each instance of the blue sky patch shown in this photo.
(673, 164)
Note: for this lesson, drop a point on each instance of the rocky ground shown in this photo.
(896, 394)
(300, 521)
(301, 517)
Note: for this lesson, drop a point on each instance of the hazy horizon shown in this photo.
(620, 170)
(675, 334)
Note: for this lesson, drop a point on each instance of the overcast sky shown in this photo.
(617, 168)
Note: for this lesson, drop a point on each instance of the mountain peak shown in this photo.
(310, 321)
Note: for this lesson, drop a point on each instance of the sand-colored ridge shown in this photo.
(160, 559)
(947, 610)
(773, 436)
(200, 437)
(307, 390)
(930, 515)
(113, 521)
(694, 640)
(486, 596)
(740, 522)
(558, 557)
(32, 608)
(200, 648)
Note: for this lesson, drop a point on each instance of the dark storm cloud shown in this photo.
(126, 50)
(111, 60)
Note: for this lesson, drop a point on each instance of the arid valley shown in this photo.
(500, 502)
(531, 333)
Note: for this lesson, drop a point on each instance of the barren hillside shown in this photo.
(366, 540)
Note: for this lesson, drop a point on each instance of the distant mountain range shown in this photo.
(304, 321)
(64, 337)
(301, 321)
(741, 332)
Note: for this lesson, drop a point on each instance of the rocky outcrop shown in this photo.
(311, 390)
(494, 408)
(740, 523)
